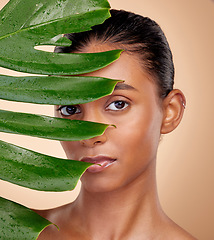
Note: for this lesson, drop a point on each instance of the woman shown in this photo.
(118, 199)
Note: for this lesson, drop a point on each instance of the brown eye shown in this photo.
(69, 110)
(117, 105)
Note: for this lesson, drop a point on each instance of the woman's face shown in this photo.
(126, 153)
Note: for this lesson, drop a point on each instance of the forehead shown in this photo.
(127, 68)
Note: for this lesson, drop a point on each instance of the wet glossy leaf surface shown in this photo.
(49, 127)
(25, 24)
(44, 23)
(18, 222)
(38, 171)
(55, 90)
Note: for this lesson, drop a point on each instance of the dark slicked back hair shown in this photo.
(137, 35)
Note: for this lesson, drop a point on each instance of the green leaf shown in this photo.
(38, 171)
(55, 90)
(42, 11)
(45, 22)
(25, 24)
(19, 222)
(49, 127)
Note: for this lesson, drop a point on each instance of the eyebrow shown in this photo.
(124, 86)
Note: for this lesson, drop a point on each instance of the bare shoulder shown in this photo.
(183, 236)
(175, 232)
(57, 216)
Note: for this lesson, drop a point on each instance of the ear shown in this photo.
(173, 109)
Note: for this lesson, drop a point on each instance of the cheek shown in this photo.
(140, 135)
(71, 149)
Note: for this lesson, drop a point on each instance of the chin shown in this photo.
(98, 184)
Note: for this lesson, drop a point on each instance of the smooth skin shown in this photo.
(121, 201)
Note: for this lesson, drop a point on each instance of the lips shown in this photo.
(100, 163)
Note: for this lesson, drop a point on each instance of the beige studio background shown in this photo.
(186, 157)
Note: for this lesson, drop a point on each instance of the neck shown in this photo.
(131, 209)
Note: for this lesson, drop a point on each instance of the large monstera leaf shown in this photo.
(25, 24)
(18, 222)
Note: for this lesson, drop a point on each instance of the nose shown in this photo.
(94, 114)
(92, 142)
